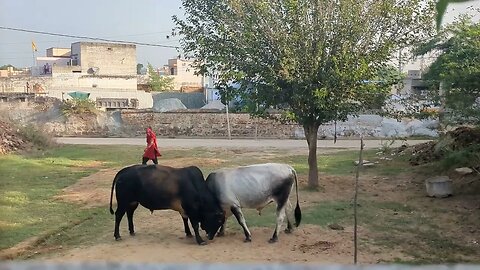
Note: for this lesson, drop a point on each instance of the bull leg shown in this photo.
(130, 212)
(241, 220)
(188, 233)
(118, 218)
(221, 232)
(199, 239)
(289, 228)
(280, 217)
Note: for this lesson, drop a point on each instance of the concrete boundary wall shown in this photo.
(198, 123)
(201, 123)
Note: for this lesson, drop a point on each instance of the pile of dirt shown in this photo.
(455, 140)
(10, 139)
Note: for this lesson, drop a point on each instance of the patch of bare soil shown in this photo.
(90, 191)
(160, 236)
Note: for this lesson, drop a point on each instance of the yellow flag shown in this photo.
(34, 47)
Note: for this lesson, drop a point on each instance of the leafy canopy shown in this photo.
(458, 68)
(158, 82)
(315, 59)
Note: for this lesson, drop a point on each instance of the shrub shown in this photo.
(78, 106)
(36, 136)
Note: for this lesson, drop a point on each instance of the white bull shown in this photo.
(255, 187)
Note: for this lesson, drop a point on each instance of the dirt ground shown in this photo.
(160, 236)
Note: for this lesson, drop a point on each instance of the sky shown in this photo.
(148, 21)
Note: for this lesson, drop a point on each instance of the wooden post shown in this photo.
(360, 165)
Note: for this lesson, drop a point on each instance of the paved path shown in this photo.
(235, 143)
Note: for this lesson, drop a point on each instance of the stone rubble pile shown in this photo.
(455, 140)
(10, 140)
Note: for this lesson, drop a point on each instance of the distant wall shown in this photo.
(214, 124)
(69, 80)
(109, 58)
(201, 123)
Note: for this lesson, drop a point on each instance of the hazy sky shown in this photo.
(148, 21)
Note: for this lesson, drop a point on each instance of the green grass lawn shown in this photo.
(28, 185)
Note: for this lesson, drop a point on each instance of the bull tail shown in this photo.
(298, 212)
(111, 194)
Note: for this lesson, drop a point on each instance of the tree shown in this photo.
(313, 59)
(158, 82)
(458, 69)
(4, 67)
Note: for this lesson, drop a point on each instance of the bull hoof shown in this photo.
(288, 230)
(272, 240)
(202, 243)
(132, 233)
(247, 240)
(118, 238)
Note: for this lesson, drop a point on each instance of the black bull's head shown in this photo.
(212, 221)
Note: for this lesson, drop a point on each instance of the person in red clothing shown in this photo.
(151, 152)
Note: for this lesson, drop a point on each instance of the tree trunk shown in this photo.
(311, 135)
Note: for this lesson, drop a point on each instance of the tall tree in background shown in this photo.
(314, 59)
(158, 82)
(458, 68)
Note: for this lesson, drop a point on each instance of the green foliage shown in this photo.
(312, 59)
(467, 157)
(76, 106)
(158, 82)
(458, 69)
(311, 56)
(4, 67)
(36, 136)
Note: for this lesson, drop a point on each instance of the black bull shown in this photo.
(158, 187)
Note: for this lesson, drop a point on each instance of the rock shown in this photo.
(336, 227)
(169, 104)
(214, 105)
(463, 170)
(439, 186)
(365, 163)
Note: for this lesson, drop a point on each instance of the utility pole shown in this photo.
(228, 118)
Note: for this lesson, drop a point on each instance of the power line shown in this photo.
(90, 38)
